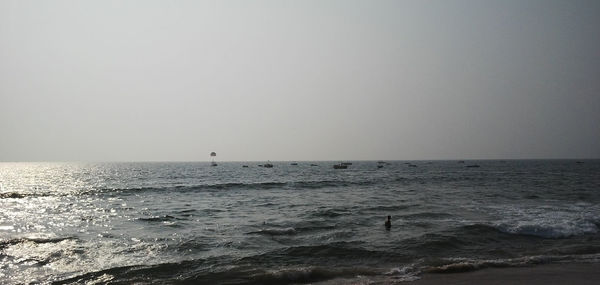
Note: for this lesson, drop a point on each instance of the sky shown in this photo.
(299, 80)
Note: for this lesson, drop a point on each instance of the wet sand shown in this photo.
(571, 273)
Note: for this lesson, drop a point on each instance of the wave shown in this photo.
(242, 186)
(274, 232)
(452, 178)
(302, 184)
(436, 244)
(531, 197)
(219, 271)
(192, 188)
(455, 265)
(13, 195)
(196, 244)
(9, 242)
(333, 212)
(179, 188)
(427, 215)
(465, 265)
(17, 195)
(489, 242)
(164, 218)
(546, 228)
(549, 231)
(144, 274)
(309, 274)
(542, 229)
(332, 183)
(291, 230)
(331, 253)
(33, 253)
(393, 208)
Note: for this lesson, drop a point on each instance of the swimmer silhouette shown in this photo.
(388, 223)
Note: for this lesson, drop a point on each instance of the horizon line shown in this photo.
(328, 160)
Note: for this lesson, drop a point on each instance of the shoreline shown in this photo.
(556, 273)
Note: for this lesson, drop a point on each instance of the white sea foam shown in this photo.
(549, 222)
(550, 229)
(405, 273)
(459, 264)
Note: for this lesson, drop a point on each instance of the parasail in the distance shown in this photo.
(213, 163)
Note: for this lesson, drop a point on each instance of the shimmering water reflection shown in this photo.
(80, 222)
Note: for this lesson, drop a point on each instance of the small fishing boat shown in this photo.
(340, 166)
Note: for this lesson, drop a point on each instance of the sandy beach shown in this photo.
(572, 273)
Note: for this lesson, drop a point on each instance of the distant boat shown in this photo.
(213, 163)
(473, 165)
(340, 166)
(268, 165)
(244, 166)
(293, 163)
(379, 166)
(312, 164)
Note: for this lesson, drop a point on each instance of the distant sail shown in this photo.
(213, 154)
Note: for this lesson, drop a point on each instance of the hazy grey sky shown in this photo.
(299, 80)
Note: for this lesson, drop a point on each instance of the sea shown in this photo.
(241, 223)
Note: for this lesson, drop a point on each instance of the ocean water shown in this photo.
(124, 223)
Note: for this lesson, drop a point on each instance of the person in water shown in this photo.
(388, 223)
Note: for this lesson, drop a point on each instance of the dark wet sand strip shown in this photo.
(572, 273)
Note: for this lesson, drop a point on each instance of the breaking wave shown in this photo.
(550, 229)
(455, 265)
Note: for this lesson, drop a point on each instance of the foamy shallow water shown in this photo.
(172, 222)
